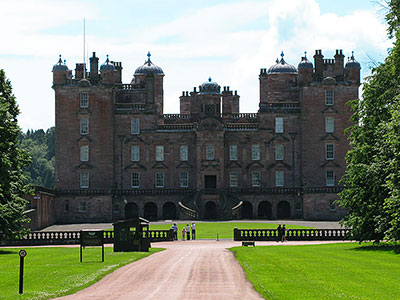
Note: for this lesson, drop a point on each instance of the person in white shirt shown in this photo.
(193, 231)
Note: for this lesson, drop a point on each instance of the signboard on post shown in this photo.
(92, 238)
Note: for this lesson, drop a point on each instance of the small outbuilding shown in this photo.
(131, 235)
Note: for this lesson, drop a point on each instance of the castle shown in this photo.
(119, 156)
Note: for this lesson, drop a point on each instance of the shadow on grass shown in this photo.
(385, 247)
(7, 252)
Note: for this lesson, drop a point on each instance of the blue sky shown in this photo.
(191, 40)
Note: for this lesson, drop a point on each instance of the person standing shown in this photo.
(183, 233)
(279, 230)
(284, 233)
(193, 231)
(188, 232)
(175, 231)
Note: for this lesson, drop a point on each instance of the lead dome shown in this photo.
(305, 63)
(352, 63)
(149, 67)
(60, 66)
(282, 67)
(107, 66)
(210, 87)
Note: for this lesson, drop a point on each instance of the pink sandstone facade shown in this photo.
(118, 155)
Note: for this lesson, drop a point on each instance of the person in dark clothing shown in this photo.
(175, 230)
(283, 233)
(187, 232)
(279, 230)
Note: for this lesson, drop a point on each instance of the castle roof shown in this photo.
(209, 87)
(107, 66)
(149, 67)
(352, 63)
(282, 67)
(305, 63)
(60, 66)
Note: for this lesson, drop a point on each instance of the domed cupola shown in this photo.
(209, 87)
(305, 63)
(107, 66)
(60, 66)
(282, 67)
(352, 63)
(149, 67)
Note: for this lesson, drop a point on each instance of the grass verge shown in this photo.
(56, 271)
(224, 230)
(331, 271)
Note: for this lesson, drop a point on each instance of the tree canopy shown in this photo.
(13, 161)
(372, 190)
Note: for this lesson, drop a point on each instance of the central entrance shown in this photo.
(210, 181)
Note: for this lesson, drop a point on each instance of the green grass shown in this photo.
(51, 272)
(331, 271)
(209, 230)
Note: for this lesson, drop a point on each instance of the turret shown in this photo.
(305, 69)
(107, 72)
(60, 72)
(352, 70)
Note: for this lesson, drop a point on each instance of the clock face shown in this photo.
(210, 109)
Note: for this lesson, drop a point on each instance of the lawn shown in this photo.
(224, 230)
(331, 271)
(56, 271)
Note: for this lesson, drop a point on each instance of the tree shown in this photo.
(372, 178)
(12, 163)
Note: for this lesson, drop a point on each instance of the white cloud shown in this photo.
(229, 42)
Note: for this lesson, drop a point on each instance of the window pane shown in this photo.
(209, 152)
(255, 152)
(82, 206)
(159, 153)
(329, 124)
(279, 152)
(135, 153)
(330, 178)
(233, 152)
(84, 180)
(159, 179)
(184, 179)
(135, 126)
(84, 126)
(255, 178)
(233, 179)
(84, 96)
(135, 180)
(279, 125)
(329, 100)
(84, 153)
(330, 151)
(184, 153)
(279, 178)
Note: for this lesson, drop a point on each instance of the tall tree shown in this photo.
(12, 163)
(371, 194)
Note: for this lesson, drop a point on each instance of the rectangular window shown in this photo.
(279, 152)
(135, 126)
(84, 126)
(330, 153)
(82, 206)
(329, 99)
(160, 153)
(84, 97)
(184, 153)
(255, 178)
(255, 152)
(84, 153)
(330, 178)
(135, 180)
(233, 179)
(279, 125)
(135, 153)
(329, 124)
(279, 178)
(233, 152)
(84, 180)
(184, 179)
(159, 179)
(209, 152)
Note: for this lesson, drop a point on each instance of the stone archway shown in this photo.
(150, 211)
(283, 210)
(265, 210)
(210, 210)
(169, 211)
(131, 210)
(247, 210)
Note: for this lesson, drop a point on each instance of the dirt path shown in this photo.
(200, 270)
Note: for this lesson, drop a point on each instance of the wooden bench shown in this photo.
(249, 243)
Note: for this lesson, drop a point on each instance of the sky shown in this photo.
(190, 40)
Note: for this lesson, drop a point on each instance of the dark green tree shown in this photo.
(371, 194)
(13, 160)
